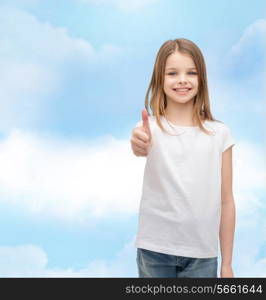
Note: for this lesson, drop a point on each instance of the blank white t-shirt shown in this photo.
(180, 207)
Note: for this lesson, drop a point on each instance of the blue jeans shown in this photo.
(155, 264)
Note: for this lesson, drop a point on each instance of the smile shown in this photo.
(182, 91)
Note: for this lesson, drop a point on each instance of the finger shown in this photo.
(139, 151)
(139, 143)
(145, 122)
(139, 134)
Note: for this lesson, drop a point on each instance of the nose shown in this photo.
(182, 78)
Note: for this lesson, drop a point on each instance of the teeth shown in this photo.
(183, 90)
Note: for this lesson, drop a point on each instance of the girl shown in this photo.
(187, 200)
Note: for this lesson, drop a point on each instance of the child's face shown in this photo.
(180, 72)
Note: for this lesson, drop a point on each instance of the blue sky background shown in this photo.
(73, 79)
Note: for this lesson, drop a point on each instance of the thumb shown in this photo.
(145, 121)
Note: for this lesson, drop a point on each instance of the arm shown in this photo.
(227, 225)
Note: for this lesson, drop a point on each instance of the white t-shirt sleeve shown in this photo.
(228, 139)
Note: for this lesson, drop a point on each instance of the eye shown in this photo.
(192, 73)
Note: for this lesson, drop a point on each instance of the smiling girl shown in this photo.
(187, 201)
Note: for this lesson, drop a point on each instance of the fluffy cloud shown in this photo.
(246, 57)
(23, 260)
(252, 36)
(36, 58)
(31, 261)
(237, 77)
(249, 193)
(249, 257)
(75, 181)
(33, 40)
(72, 180)
(249, 175)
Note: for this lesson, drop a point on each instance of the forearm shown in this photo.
(227, 230)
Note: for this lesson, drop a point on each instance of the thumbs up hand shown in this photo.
(141, 139)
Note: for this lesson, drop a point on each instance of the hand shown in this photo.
(226, 271)
(141, 140)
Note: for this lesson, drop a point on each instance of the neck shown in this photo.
(180, 113)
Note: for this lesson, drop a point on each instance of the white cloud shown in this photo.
(32, 261)
(253, 36)
(77, 179)
(124, 5)
(23, 87)
(249, 257)
(33, 39)
(72, 180)
(22, 260)
(249, 175)
(43, 42)
(237, 78)
(246, 57)
(35, 59)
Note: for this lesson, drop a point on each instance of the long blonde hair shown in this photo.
(158, 102)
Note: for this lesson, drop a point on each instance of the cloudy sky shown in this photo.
(73, 79)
